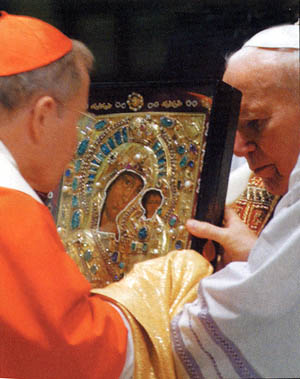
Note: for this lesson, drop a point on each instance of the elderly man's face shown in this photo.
(268, 134)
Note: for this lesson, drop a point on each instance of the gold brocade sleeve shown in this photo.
(150, 295)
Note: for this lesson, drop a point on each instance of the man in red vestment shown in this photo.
(51, 326)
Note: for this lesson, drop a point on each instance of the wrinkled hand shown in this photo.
(235, 237)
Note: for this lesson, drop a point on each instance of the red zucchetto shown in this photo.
(28, 43)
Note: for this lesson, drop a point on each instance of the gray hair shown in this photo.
(60, 79)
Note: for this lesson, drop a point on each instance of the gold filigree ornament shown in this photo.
(135, 101)
(130, 189)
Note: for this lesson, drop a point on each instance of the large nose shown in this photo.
(242, 146)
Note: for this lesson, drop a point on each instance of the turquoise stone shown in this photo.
(118, 137)
(83, 147)
(95, 162)
(88, 255)
(145, 248)
(159, 211)
(100, 157)
(75, 184)
(183, 162)
(167, 122)
(74, 201)
(121, 264)
(105, 149)
(75, 222)
(143, 233)
(100, 124)
(125, 135)
(77, 165)
(172, 220)
(133, 246)
(111, 143)
(159, 153)
(156, 146)
(162, 173)
(161, 161)
(181, 150)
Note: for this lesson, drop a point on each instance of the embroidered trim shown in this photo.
(241, 366)
(214, 363)
(183, 354)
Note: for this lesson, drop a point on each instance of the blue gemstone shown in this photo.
(100, 124)
(167, 122)
(156, 146)
(162, 173)
(183, 162)
(125, 135)
(87, 255)
(118, 137)
(89, 189)
(178, 245)
(115, 256)
(191, 164)
(133, 246)
(75, 220)
(105, 149)
(68, 173)
(82, 147)
(95, 162)
(181, 150)
(75, 184)
(143, 233)
(77, 165)
(161, 161)
(92, 176)
(111, 143)
(159, 153)
(74, 201)
(193, 148)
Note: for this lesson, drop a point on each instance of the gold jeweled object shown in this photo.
(141, 169)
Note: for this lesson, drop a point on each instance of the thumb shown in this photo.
(206, 230)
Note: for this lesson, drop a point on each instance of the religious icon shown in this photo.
(139, 173)
(120, 192)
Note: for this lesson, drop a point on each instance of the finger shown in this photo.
(206, 230)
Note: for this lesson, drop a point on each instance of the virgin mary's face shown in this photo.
(124, 189)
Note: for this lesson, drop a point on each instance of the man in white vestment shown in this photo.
(245, 321)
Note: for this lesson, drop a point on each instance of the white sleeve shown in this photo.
(128, 368)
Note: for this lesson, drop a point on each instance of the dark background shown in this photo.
(141, 40)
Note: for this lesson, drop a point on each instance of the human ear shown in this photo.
(44, 114)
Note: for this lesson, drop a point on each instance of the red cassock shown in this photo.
(50, 324)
